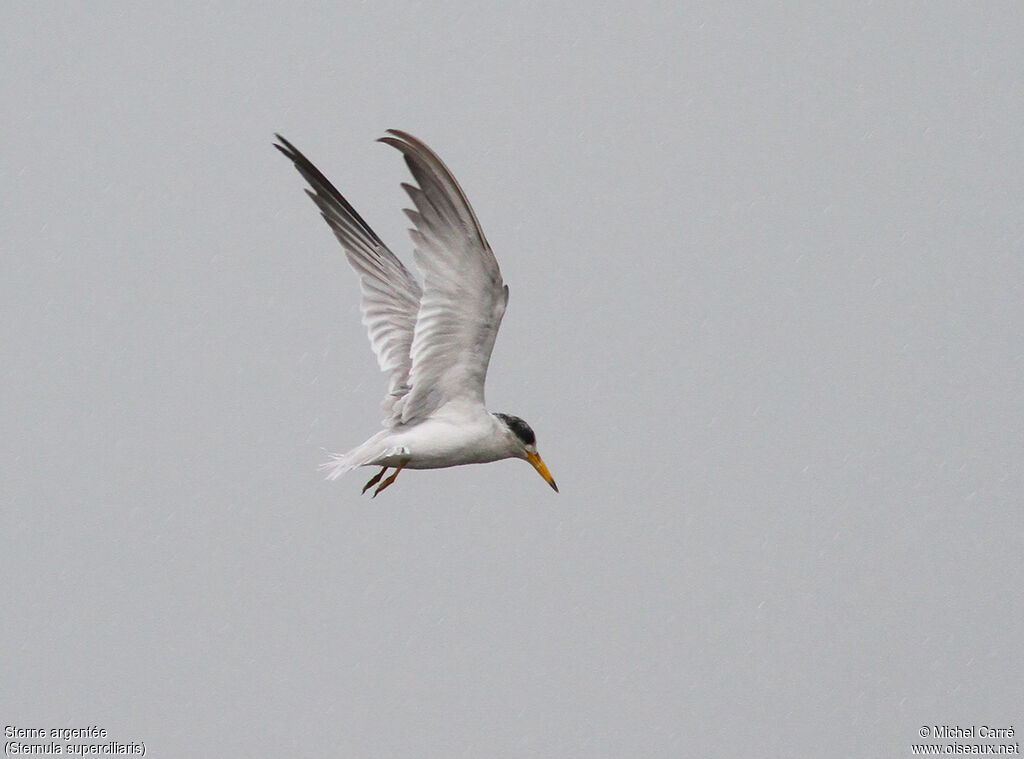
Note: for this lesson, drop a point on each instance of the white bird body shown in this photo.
(449, 437)
(434, 342)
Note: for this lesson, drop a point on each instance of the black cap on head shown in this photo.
(519, 428)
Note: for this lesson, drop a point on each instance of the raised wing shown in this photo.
(463, 297)
(390, 294)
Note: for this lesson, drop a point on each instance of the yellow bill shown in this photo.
(541, 467)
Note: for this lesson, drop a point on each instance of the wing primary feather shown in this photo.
(434, 341)
(390, 295)
(463, 298)
(429, 172)
(322, 184)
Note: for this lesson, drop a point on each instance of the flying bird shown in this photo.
(434, 342)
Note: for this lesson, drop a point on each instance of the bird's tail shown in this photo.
(364, 454)
(338, 464)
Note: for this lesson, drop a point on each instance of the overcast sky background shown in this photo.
(766, 319)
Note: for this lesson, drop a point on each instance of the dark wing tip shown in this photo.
(393, 142)
(404, 141)
(285, 147)
(324, 192)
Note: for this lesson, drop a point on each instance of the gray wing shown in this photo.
(463, 297)
(390, 294)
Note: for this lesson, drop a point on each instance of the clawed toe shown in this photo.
(389, 480)
(375, 479)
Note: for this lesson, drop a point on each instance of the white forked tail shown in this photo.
(367, 453)
(338, 465)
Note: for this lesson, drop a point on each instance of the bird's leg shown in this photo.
(389, 480)
(373, 481)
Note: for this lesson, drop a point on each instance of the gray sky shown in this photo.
(766, 274)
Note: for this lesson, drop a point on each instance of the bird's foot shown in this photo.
(375, 479)
(389, 480)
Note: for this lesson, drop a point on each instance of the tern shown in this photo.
(434, 342)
